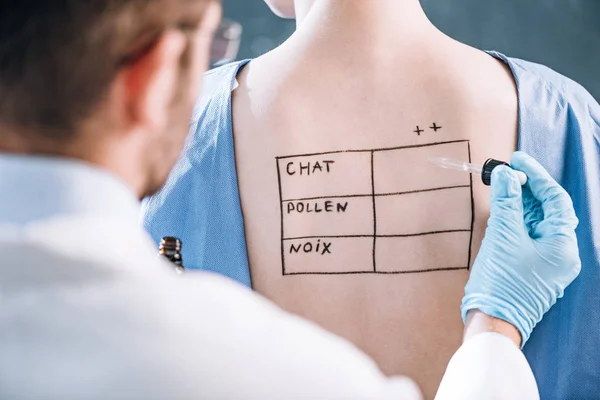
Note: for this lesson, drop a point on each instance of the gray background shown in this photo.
(562, 34)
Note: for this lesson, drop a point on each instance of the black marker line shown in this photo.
(380, 272)
(425, 233)
(333, 273)
(374, 212)
(418, 271)
(472, 210)
(281, 209)
(378, 236)
(416, 146)
(373, 150)
(324, 153)
(423, 190)
(378, 194)
(329, 237)
(345, 196)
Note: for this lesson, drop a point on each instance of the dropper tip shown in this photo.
(438, 161)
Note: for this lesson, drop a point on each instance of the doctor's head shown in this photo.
(111, 82)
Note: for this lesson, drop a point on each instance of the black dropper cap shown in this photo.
(170, 248)
(488, 167)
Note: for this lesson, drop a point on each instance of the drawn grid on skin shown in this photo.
(374, 212)
(281, 208)
(472, 210)
(374, 195)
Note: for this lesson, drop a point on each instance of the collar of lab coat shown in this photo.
(39, 188)
(71, 208)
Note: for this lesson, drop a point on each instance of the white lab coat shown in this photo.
(88, 311)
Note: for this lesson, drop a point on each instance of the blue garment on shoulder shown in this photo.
(559, 125)
(200, 202)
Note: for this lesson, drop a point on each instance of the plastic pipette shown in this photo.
(484, 170)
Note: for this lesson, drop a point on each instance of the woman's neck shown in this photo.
(365, 24)
(372, 13)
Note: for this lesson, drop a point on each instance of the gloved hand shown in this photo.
(529, 254)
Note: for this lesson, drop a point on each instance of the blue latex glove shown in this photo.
(529, 254)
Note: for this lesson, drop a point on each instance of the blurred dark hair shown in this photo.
(58, 57)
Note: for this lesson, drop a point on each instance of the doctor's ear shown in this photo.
(148, 82)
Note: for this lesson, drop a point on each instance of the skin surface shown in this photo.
(361, 76)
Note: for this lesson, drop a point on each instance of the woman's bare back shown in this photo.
(347, 221)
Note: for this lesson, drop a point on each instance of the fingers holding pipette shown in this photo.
(556, 204)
